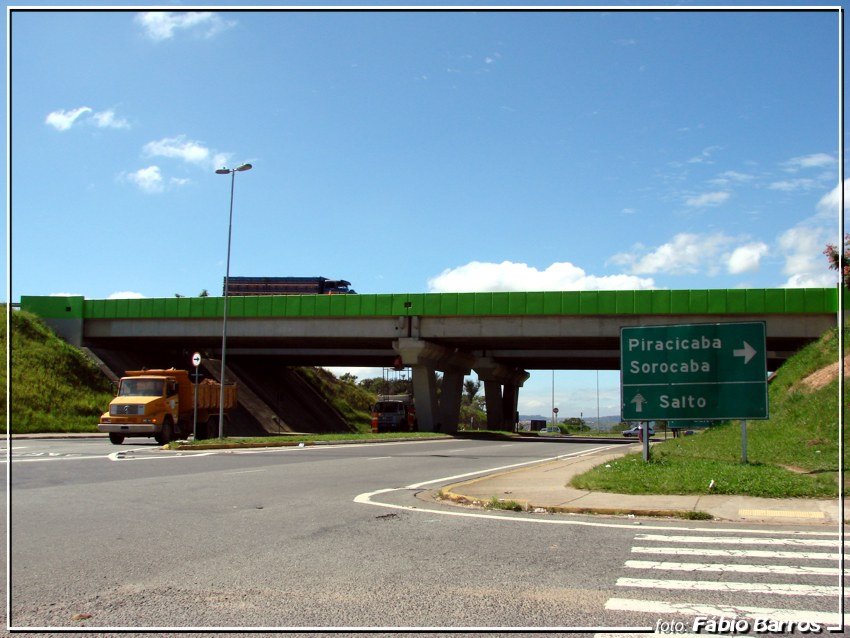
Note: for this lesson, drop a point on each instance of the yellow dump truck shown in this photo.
(161, 403)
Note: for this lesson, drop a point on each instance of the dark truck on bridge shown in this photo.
(261, 286)
(161, 404)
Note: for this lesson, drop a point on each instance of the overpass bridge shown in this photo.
(500, 335)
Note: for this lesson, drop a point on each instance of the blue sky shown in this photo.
(425, 152)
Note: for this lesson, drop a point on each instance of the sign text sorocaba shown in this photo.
(694, 372)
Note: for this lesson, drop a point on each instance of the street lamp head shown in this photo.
(227, 171)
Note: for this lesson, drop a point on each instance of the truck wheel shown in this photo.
(167, 433)
(115, 438)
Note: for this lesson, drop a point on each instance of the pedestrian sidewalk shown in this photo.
(547, 486)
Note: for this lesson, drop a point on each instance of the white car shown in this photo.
(635, 431)
(550, 430)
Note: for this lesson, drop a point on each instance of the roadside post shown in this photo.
(196, 361)
(694, 372)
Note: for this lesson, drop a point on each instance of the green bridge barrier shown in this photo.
(602, 302)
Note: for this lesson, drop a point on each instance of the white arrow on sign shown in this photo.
(748, 352)
(638, 401)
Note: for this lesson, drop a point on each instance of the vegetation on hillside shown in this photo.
(352, 402)
(795, 453)
(54, 387)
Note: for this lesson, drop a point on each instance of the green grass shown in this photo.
(792, 454)
(496, 503)
(352, 402)
(54, 387)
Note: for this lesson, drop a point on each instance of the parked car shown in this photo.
(550, 430)
(635, 431)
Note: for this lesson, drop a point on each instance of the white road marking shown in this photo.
(697, 609)
(754, 588)
(740, 540)
(736, 553)
(246, 471)
(115, 456)
(366, 499)
(43, 459)
(743, 569)
(508, 467)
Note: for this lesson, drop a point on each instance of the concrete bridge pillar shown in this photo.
(432, 413)
(501, 391)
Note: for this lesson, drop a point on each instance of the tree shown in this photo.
(471, 388)
(840, 262)
(204, 293)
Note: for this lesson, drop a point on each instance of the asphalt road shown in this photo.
(350, 536)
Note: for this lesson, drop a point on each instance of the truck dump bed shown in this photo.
(209, 391)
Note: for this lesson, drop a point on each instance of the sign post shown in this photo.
(694, 372)
(196, 361)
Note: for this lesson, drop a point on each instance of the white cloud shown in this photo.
(816, 160)
(107, 119)
(63, 120)
(148, 179)
(161, 25)
(687, 253)
(802, 247)
(126, 294)
(829, 204)
(746, 258)
(707, 199)
(509, 276)
(789, 185)
(181, 148)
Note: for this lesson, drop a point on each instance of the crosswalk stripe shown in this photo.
(718, 567)
(755, 588)
(741, 540)
(697, 609)
(736, 553)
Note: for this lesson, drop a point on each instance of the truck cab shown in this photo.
(146, 405)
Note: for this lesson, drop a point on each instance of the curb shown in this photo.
(527, 506)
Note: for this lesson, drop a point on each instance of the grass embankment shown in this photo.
(352, 403)
(54, 386)
(793, 454)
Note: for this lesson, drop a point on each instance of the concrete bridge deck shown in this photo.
(499, 335)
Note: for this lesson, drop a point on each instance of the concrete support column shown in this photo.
(450, 398)
(425, 397)
(493, 401)
(425, 359)
(510, 400)
(501, 391)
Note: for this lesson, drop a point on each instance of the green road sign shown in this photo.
(694, 372)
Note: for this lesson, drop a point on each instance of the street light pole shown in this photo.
(232, 172)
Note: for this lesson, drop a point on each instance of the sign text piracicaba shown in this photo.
(694, 372)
